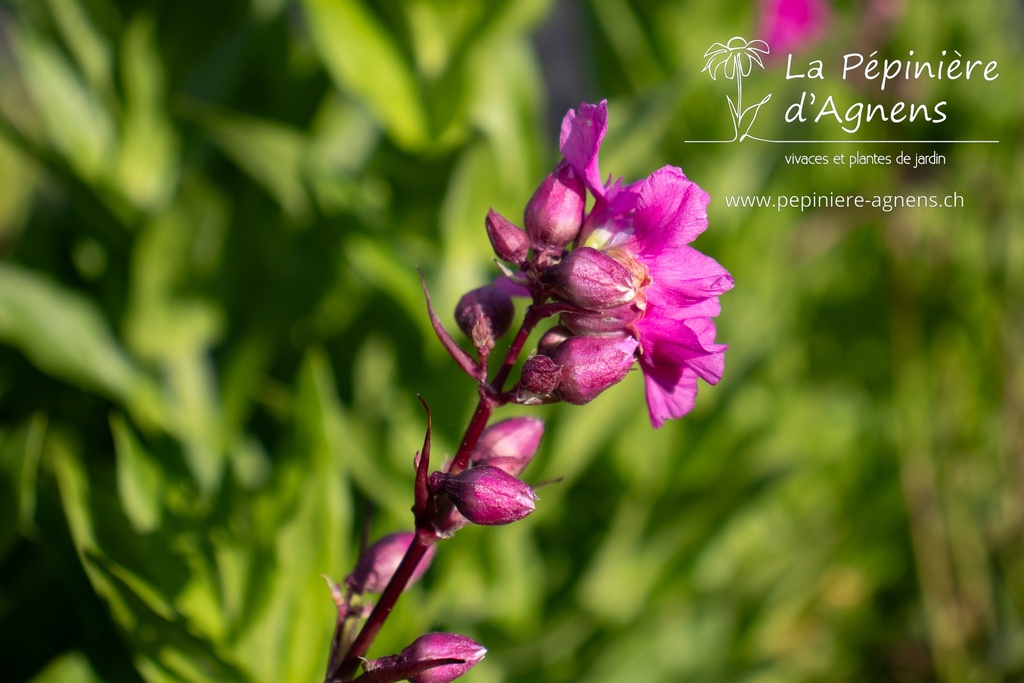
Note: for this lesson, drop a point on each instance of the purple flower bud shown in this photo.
(432, 646)
(540, 375)
(484, 314)
(554, 214)
(486, 495)
(592, 364)
(608, 320)
(551, 340)
(509, 445)
(592, 279)
(378, 564)
(509, 242)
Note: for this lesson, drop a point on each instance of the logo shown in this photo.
(736, 60)
(835, 119)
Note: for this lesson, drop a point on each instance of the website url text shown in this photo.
(832, 200)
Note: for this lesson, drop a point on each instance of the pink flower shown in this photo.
(789, 25)
(670, 296)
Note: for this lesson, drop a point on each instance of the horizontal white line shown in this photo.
(855, 142)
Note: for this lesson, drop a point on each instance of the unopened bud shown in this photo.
(540, 375)
(484, 314)
(606, 320)
(434, 646)
(486, 495)
(379, 562)
(554, 214)
(592, 279)
(552, 339)
(509, 445)
(509, 242)
(592, 364)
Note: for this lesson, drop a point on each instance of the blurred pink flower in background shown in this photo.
(790, 25)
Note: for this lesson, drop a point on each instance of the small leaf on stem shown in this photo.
(458, 354)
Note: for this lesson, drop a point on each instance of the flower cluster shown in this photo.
(633, 288)
(627, 290)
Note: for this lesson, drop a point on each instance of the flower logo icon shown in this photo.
(736, 60)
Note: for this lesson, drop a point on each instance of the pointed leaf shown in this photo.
(363, 59)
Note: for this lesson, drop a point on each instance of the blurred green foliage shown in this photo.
(212, 337)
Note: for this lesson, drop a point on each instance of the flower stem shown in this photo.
(484, 409)
(491, 394)
(417, 549)
(490, 398)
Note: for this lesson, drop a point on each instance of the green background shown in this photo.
(212, 336)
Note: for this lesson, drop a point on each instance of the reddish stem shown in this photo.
(491, 395)
(382, 609)
(490, 398)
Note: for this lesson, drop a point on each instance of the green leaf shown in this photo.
(175, 332)
(383, 266)
(78, 123)
(138, 478)
(174, 629)
(364, 60)
(286, 638)
(64, 335)
(272, 153)
(72, 667)
(87, 45)
(21, 451)
(147, 168)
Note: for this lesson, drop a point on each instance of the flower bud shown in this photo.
(551, 339)
(592, 279)
(555, 212)
(484, 314)
(592, 364)
(486, 495)
(509, 242)
(379, 562)
(540, 375)
(433, 646)
(607, 320)
(509, 445)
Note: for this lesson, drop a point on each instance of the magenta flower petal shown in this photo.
(667, 342)
(670, 212)
(670, 391)
(675, 354)
(580, 141)
(708, 308)
(687, 277)
(612, 213)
